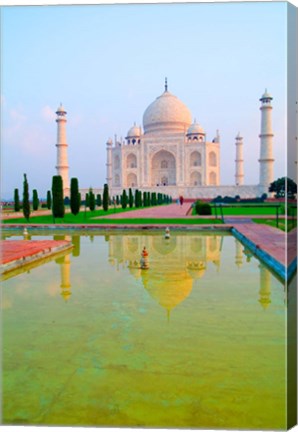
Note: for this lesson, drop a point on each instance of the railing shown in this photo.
(219, 207)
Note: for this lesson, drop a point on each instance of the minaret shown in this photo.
(109, 163)
(266, 143)
(62, 162)
(239, 173)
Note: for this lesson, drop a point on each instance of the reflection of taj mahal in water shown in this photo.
(177, 266)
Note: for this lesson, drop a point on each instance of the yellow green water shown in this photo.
(196, 341)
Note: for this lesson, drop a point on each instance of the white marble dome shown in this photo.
(195, 128)
(134, 132)
(166, 114)
(266, 95)
(60, 109)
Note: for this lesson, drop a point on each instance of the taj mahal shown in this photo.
(170, 154)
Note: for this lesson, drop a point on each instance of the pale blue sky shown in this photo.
(106, 64)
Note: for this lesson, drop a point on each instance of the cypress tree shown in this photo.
(35, 200)
(105, 199)
(153, 199)
(86, 200)
(91, 200)
(117, 199)
(17, 206)
(57, 194)
(98, 200)
(137, 204)
(139, 195)
(74, 196)
(130, 198)
(124, 199)
(144, 199)
(26, 203)
(49, 199)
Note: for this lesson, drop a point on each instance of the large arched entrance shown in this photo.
(163, 169)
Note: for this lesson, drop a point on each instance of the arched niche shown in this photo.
(212, 178)
(132, 180)
(212, 159)
(195, 159)
(195, 178)
(163, 169)
(131, 161)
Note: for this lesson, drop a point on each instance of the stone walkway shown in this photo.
(237, 220)
(275, 247)
(16, 253)
(165, 211)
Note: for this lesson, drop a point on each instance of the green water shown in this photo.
(196, 341)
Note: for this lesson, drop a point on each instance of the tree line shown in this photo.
(56, 202)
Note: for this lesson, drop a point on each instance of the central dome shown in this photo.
(166, 114)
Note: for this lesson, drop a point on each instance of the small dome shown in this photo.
(266, 95)
(60, 109)
(195, 128)
(168, 114)
(110, 141)
(134, 132)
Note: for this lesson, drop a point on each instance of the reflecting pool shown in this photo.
(195, 341)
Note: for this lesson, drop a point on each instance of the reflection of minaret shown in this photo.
(265, 286)
(238, 256)
(65, 277)
(248, 254)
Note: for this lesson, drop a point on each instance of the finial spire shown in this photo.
(166, 84)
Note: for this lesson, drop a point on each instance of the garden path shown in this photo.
(164, 211)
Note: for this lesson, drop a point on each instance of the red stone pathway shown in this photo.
(271, 240)
(165, 211)
(15, 253)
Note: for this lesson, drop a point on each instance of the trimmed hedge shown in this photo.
(203, 208)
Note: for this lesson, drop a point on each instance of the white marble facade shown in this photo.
(170, 154)
(170, 151)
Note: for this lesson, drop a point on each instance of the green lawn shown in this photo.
(81, 218)
(282, 225)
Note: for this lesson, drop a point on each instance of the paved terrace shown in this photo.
(18, 253)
